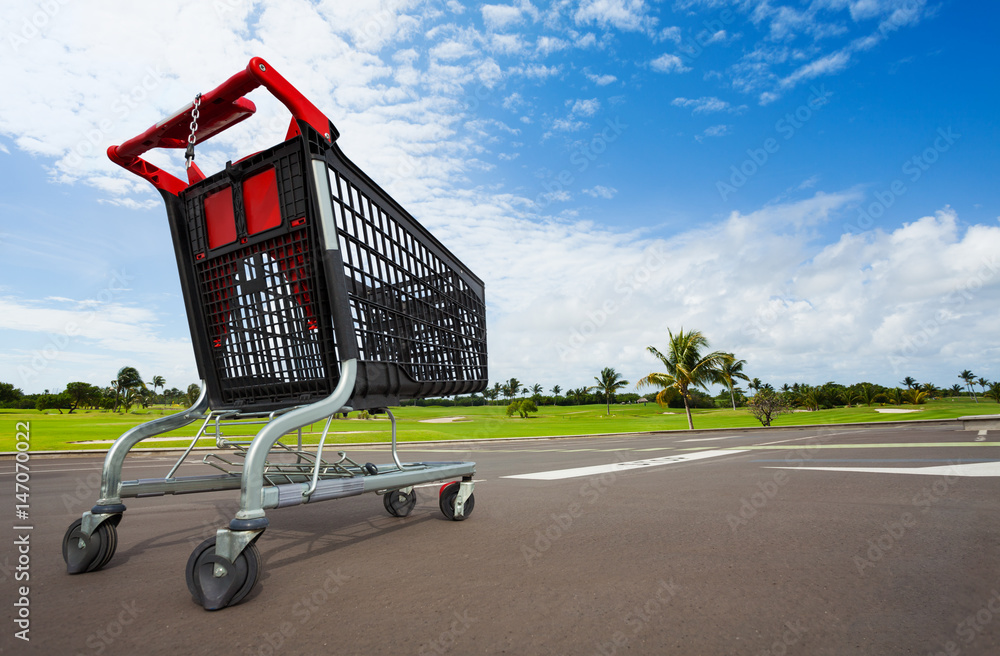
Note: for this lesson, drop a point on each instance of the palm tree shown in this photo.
(982, 382)
(686, 367)
(579, 394)
(809, 397)
(870, 394)
(729, 371)
(609, 382)
(909, 381)
(536, 390)
(755, 385)
(555, 393)
(127, 378)
(916, 396)
(968, 377)
(158, 381)
(993, 392)
(848, 396)
(513, 386)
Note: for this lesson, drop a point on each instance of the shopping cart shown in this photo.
(309, 292)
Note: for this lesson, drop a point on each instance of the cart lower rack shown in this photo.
(309, 292)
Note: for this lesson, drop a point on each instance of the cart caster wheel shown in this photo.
(217, 592)
(399, 503)
(89, 554)
(446, 501)
(370, 469)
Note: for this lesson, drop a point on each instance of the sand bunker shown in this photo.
(443, 420)
(895, 411)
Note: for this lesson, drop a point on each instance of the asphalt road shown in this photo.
(742, 542)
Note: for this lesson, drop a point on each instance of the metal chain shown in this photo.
(189, 153)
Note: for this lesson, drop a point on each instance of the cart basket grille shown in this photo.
(285, 276)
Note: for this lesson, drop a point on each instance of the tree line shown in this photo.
(127, 390)
(688, 368)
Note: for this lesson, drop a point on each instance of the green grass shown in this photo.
(53, 431)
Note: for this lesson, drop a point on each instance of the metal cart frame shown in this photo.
(309, 292)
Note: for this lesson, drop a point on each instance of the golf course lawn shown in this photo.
(50, 430)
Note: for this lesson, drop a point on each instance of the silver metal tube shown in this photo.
(253, 469)
(319, 457)
(181, 485)
(111, 475)
(395, 456)
(187, 452)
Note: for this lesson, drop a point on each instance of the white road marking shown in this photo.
(621, 466)
(972, 469)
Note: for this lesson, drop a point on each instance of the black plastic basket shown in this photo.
(274, 306)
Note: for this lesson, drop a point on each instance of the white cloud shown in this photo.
(628, 15)
(668, 63)
(715, 131)
(489, 73)
(583, 107)
(536, 71)
(84, 341)
(549, 44)
(671, 34)
(452, 50)
(601, 80)
(707, 104)
(508, 44)
(568, 125)
(600, 191)
(514, 101)
(498, 17)
(827, 65)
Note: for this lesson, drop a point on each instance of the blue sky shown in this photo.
(810, 183)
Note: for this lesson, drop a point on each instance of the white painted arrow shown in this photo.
(622, 466)
(975, 469)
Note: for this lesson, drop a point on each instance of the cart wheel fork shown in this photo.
(464, 492)
(235, 568)
(457, 500)
(90, 542)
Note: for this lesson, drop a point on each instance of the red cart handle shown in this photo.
(220, 109)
